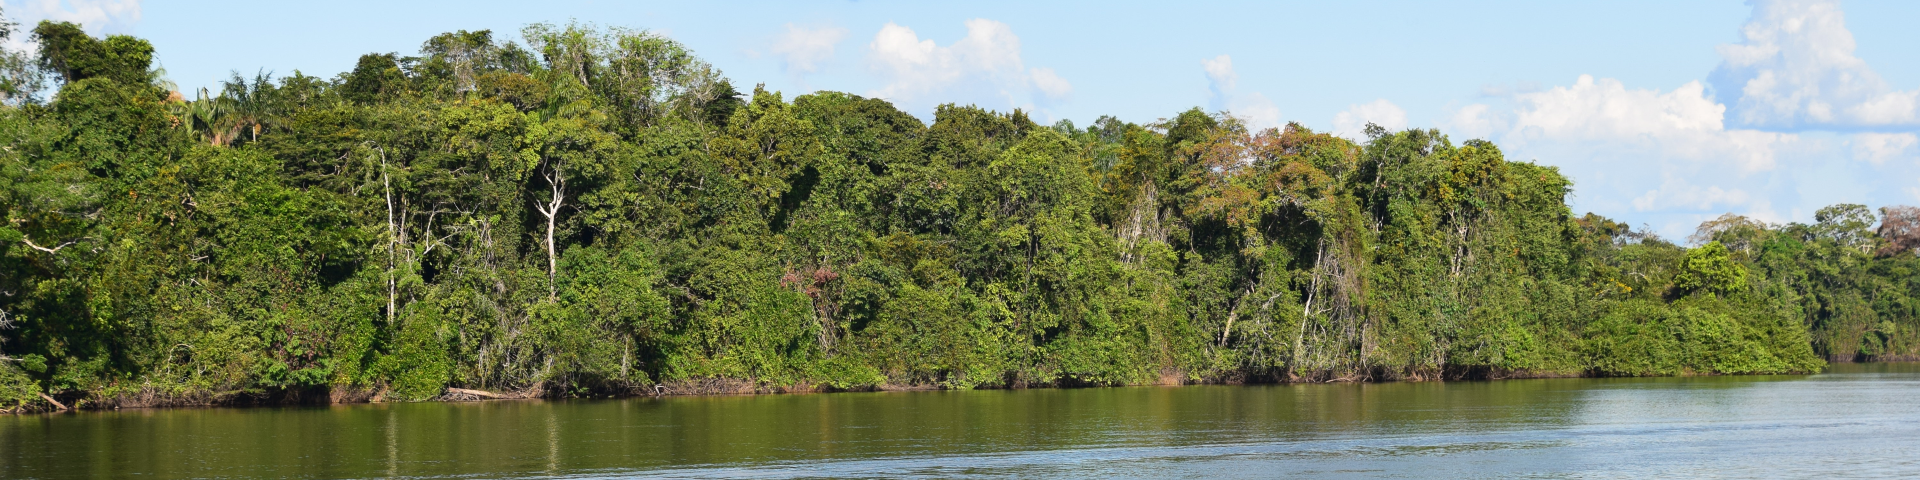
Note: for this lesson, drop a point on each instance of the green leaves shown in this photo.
(68, 51)
(599, 211)
(1710, 268)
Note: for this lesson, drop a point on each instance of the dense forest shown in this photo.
(596, 211)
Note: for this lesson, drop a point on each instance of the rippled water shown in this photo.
(1855, 421)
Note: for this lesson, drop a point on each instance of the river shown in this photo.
(1856, 420)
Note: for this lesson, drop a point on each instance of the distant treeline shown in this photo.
(598, 211)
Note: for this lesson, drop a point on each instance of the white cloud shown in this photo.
(1644, 154)
(801, 49)
(1676, 193)
(1476, 121)
(1220, 73)
(1258, 112)
(1780, 130)
(95, 16)
(1352, 123)
(1050, 83)
(987, 61)
(1880, 147)
(1681, 124)
(1605, 108)
(1795, 68)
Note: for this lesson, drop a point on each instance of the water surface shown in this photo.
(1854, 421)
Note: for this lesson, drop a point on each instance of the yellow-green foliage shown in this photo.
(1710, 268)
(17, 390)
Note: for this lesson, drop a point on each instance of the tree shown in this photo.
(69, 52)
(461, 56)
(1709, 268)
(1900, 228)
(391, 231)
(1847, 224)
(244, 108)
(1737, 232)
(21, 78)
(375, 77)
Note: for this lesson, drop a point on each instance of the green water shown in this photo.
(1855, 421)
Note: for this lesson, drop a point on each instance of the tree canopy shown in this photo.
(598, 211)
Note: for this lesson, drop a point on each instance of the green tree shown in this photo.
(1710, 268)
(70, 53)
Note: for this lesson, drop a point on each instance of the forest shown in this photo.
(594, 211)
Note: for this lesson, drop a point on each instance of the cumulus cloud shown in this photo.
(1605, 108)
(1789, 122)
(801, 49)
(1478, 120)
(985, 62)
(1220, 75)
(1795, 68)
(1642, 153)
(1682, 123)
(1672, 158)
(1352, 123)
(1050, 83)
(1253, 108)
(1877, 148)
(95, 16)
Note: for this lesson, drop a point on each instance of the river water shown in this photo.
(1854, 421)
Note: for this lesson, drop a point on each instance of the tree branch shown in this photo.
(50, 251)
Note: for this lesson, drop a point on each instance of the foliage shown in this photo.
(1710, 268)
(71, 54)
(1900, 227)
(599, 211)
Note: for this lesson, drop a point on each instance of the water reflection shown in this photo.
(1858, 420)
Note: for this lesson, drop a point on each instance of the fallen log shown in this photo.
(476, 393)
(56, 403)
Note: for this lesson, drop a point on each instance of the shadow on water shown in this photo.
(1853, 417)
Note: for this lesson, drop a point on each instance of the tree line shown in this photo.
(595, 211)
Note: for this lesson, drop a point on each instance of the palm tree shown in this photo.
(245, 107)
(200, 116)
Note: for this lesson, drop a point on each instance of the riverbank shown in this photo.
(339, 395)
(1873, 358)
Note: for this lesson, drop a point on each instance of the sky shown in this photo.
(1664, 114)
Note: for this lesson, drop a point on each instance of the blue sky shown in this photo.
(1664, 113)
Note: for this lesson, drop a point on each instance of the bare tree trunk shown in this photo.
(557, 181)
(1306, 311)
(475, 393)
(553, 269)
(1143, 221)
(393, 236)
(1026, 297)
(1234, 312)
(56, 403)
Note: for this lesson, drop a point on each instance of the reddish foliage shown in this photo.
(1900, 227)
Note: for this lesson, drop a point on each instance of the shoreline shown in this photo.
(323, 396)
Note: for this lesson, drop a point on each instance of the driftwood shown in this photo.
(476, 393)
(56, 403)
